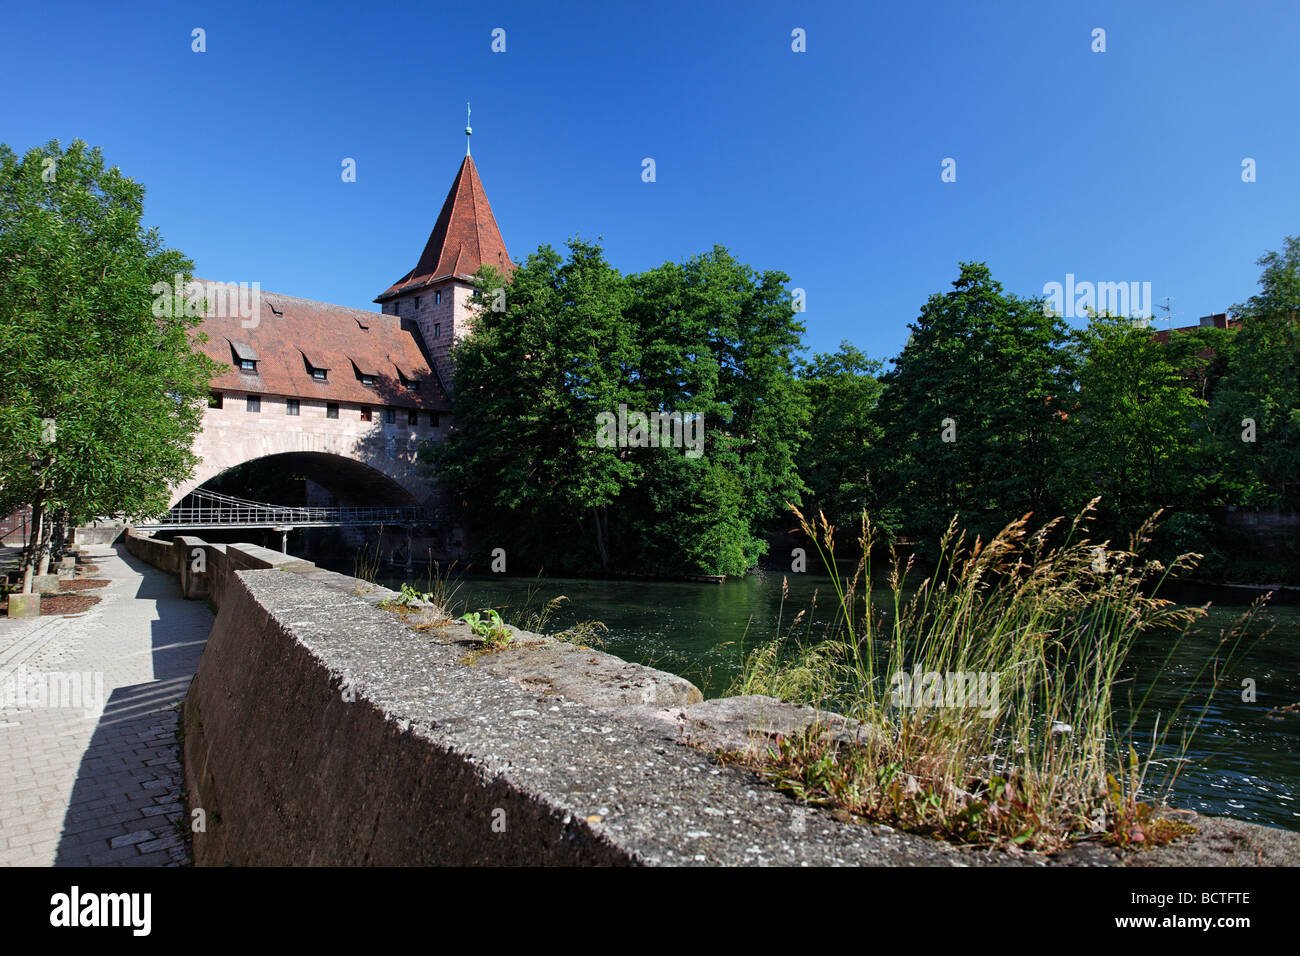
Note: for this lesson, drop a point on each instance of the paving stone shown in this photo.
(130, 839)
(71, 784)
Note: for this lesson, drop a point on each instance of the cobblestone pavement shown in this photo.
(103, 789)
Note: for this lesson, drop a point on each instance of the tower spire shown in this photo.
(469, 131)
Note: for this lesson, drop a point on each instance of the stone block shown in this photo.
(45, 583)
(24, 605)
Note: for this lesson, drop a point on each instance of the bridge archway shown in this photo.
(347, 482)
(356, 463)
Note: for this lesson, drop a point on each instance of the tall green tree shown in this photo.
(100, 395)
(1132, 425)
(708, 340)
(1256, 407)
(529, 383)
(970, 409)
(719, 341)
(836, 462)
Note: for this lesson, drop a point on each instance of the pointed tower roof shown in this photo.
(464, 237)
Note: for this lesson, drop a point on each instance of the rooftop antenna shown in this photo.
(469, 130)
(1169, 315)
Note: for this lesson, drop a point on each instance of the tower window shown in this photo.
(291, 406)
(331, 410)
(433, 419)
(437, 330)
(437, 297)
(254, 403)
(417, 301)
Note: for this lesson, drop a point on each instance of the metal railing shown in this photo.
(210, 509)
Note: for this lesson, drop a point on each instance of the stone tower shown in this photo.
(434, 295)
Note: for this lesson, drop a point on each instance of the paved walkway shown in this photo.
(83, 787)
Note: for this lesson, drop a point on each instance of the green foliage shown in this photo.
(843, 390)
(79, 343)
(1129, 430)
(707, 337)
(529, 383)
(407, 597)
(990, 363)
(488, 627)
(1262, 383)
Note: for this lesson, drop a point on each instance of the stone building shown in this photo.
(345, 395)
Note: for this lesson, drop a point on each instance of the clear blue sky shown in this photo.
(1115, 166)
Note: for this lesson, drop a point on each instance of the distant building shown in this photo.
(1219, 320)
(345, 395)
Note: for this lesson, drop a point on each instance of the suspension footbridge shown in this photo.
(209, 509)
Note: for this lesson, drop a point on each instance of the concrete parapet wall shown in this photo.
(161, 554)
(322, 729)
(98, 534)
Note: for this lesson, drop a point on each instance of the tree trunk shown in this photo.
(48, 543)
(33, 544)
(600, 539)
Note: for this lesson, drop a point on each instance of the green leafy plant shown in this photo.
(488, 627)
(408, 597)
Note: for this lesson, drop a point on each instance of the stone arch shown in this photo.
(373, 461)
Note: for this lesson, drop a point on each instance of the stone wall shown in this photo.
(232, 435)
(443, 317)
(324, 729)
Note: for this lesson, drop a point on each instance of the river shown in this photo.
(1243, 763)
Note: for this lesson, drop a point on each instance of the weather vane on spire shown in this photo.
(469, 131)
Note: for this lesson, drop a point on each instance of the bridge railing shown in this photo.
(213, 509)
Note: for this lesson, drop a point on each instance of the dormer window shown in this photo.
(408, 383)
(367, 374)
(314, 361)
(244, 355)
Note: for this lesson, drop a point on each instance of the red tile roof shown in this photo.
(293, 335)
(464, 237)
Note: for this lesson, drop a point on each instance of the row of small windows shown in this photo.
(293, 406)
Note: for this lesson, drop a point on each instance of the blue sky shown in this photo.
(1115, 166)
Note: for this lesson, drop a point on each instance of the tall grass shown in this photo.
(443, 587)
(366, 562)
(535, 615)
(1043, 622)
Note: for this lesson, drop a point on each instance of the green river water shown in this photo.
(1244, 761)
